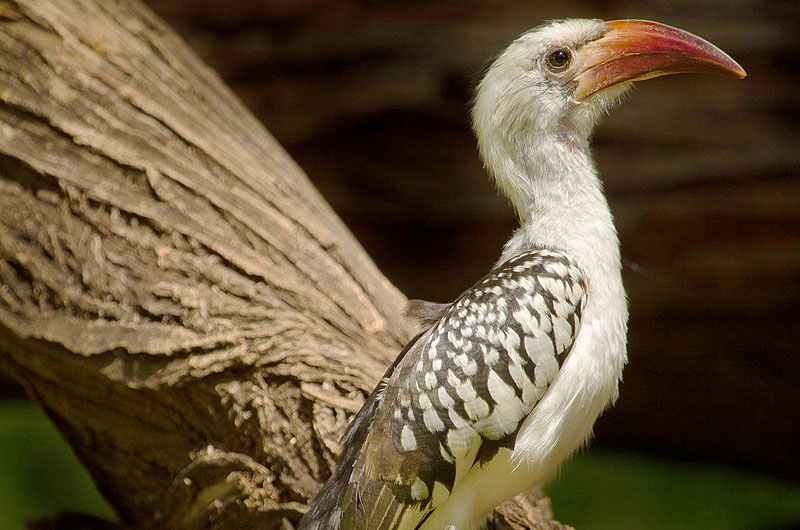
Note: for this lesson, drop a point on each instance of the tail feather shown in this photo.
(371, 504)
(326, 510)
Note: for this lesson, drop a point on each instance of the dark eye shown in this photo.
(558, 60)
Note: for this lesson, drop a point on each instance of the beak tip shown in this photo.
(738, 72)
(734, 69)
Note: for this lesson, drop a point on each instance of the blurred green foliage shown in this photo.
(619, 491)
(39, 473)
(40, 476)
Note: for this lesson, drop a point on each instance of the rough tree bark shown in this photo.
(173, 292)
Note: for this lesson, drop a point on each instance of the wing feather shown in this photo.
(459, 392)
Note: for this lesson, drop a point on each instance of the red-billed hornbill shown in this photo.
(508, 380)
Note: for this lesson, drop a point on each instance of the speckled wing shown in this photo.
(463, 389)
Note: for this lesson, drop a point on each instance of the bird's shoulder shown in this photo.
(462, 390)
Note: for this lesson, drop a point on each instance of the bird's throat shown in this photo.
(560, 202)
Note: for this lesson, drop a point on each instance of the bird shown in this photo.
(506, 381)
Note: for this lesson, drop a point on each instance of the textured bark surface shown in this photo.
(174, 293)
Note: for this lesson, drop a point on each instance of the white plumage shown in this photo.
(510, 378)
(534, 139)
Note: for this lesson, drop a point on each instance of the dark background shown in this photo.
(371, 98)
(703, 175)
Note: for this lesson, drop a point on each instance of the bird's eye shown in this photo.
(559, 59)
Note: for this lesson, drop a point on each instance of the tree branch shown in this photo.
(173, 291)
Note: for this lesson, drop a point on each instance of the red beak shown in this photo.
(633, 50)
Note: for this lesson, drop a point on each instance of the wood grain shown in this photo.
(174, 293)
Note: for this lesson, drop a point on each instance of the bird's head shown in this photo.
(554, 82)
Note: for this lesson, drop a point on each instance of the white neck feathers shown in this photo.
(558, 196)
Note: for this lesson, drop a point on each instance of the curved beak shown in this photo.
(633, 50)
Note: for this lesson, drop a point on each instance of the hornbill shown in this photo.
(507, 381)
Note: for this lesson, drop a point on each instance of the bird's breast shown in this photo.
(585, 386)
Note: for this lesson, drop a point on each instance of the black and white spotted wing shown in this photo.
(462, 390)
